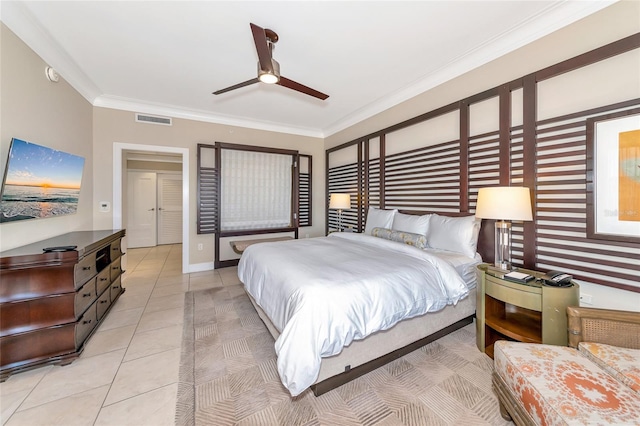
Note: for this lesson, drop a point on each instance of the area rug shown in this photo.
(228, 376)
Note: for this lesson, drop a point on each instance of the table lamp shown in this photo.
(504, 203)
(340, 202)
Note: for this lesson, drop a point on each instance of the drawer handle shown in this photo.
(115, 268)
(115, 249)
(86, 322)
(86, 268)
(104, 301)
(86, 294)
(103, 279)
(115, 287)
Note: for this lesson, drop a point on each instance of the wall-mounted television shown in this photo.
(39, 182)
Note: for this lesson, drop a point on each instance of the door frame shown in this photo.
(118, 151)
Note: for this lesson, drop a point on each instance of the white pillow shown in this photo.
(411, 223)
(377, 218)
(459, 234)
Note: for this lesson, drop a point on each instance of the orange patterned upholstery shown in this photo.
(559, 386)
(622, 363)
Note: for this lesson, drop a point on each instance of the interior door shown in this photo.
(169, 208)
(141, 211)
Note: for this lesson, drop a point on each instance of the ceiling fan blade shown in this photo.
(236, 86)
(264, 54)
(301, 88)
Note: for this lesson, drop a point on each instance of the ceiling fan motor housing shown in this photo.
(269, 77)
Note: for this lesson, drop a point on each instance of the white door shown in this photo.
(169, 208)
(142, 221)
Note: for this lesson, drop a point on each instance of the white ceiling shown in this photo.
(167, 57)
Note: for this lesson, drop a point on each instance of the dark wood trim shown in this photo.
(340, 379)
(596, 55)
(529, 108)
(268, 150)
(383, 166)
(359, 200)
(591, 177)
(504, 118)
(224, 234)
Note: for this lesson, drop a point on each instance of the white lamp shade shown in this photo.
(504, 203)
(340, 201)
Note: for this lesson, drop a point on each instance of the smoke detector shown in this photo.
(52, 75)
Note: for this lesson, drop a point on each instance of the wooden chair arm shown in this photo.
(611, 327)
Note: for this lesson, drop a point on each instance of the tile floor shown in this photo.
(128, 372)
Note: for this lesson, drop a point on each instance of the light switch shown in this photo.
(105, 206)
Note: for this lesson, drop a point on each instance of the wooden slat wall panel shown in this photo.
(208, 207)
(561, 238)
(344, 179)
(304, 200)
(424, 179)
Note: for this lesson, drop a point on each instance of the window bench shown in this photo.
(241, 245)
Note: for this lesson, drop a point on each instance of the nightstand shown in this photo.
(532, 312)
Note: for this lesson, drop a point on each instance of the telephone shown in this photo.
(557, 279)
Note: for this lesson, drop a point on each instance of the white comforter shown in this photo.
(322, 293)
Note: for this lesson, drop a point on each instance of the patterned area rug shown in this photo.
(228, 376)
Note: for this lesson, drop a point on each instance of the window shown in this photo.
(243, 188)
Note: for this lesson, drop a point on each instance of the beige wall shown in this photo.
(578, 90)
(613, 23)
(114, 126)
(50, 114)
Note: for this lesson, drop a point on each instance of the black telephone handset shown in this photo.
(557, 279)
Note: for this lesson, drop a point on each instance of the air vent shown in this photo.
(153, 119)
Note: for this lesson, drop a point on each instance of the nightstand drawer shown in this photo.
(524, 299)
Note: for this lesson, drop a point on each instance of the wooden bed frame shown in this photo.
(407, 336)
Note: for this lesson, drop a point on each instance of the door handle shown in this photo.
(151, 210)
(159, 208)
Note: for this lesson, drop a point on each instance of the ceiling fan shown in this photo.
(269, 68)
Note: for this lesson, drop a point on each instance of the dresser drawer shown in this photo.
(116, 269)
(18, 349)
(85, 270)
(116, 250)
(85, 325)
(530, 300)
(115, 289)
(103, 280)
(85, 296)
(102, 304)
(29, 315)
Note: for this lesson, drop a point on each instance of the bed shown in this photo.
(342, 305)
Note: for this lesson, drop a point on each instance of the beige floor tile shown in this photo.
(205, 279)
(10, 402)
(79, 409)
(138, 288)
(118, 319)
(154, 341)
(165, 302)
(154, 408)
(80, 376)
(170, 289)
(144, 374)
(109, 340)
(172, 280)
(130, 301)
(26, 380)
(161, 319)
(204, 285)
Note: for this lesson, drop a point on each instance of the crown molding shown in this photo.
(552, 19)
(21, 21)
(115, 102)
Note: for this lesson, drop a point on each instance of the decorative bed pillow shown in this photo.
(416, 240)
(459, 234)
(378, 218)
(411, 223)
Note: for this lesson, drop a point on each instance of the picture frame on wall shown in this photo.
(613, 176)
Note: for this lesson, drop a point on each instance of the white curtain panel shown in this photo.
(255, 190)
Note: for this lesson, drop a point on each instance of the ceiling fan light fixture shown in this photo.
(269, 76)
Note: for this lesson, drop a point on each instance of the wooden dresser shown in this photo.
(51, 302)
